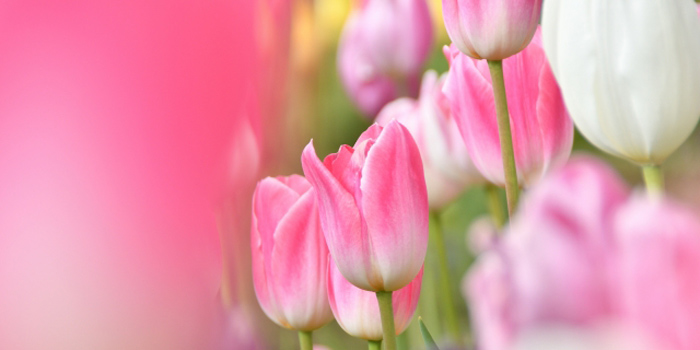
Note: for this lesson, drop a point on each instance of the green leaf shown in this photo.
(427, 338)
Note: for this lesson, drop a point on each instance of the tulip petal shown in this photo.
(340, 220)
(299, 266)
(395, 207)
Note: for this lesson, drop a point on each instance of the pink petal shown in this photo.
(340, 219)
(395, 208)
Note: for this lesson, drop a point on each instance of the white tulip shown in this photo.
(629, 71)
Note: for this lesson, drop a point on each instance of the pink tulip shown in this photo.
(290, 257)
(658, 281)
(489, 29)
(382, 49)
(541, 127)
(373, 207)
(357, 310)
(550, 267)
(448, 170)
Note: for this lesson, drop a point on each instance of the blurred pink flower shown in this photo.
(582, 254)
(289, 254)
(549, 265)
(658, 278)
(357, 310)
(448, 169)
(542, 130)
(488, 29)
(373, 206)
(382, 50)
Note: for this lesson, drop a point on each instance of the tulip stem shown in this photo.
(306, 340)
(374, 344)
(495, 206)
(386, 310)
(654, 179)
(448, 305)
(504, 134)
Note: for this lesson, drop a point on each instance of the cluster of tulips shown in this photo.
(582, 262)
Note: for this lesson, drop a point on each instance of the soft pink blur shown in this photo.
(541, 128)
(604, 266)
(488, 29)
(357, 310)
(116, 120)
(373, 206)
(382, 50)
(448, 169)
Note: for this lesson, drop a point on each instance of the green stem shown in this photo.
(448, 305)
(504, 134)
(306, 340)
(495, 206)
(386, 310)
(374, 344)
(654, 179)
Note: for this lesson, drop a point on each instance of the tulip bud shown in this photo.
(541, 128)
(357, 310)
(373, 207)
(289, 254)
(448, 169)
(382, 50)
(550, 265)
(491, 29)
(658, 281)
(629, 72)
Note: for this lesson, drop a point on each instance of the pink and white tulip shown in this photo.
(357, 310)
(448, 169)
(626, 266)
(491, 29)
(541, 128)
(550, 265)
(290, 257)
(373, 206)
(382, 50)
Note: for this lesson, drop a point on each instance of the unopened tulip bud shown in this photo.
(491, 29)
(373, 207)
(382, 50)
(289, 253)
(357, 310)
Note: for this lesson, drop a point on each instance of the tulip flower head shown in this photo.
(629, 72)
(290, 257)
(357, 310)
(448, 169)
(373, 207)
(541, 128)
(382, 50)
(549, 267)
(491, 29)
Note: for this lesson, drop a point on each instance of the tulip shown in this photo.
(541, 128)
(357, 311)
(658, 277)
(491, 29)
(448, 169)
(373, 207)
(629, 72)
(550, 265)
(382, 49)
(289, 254)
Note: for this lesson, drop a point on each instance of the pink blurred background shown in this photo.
(118, 122)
